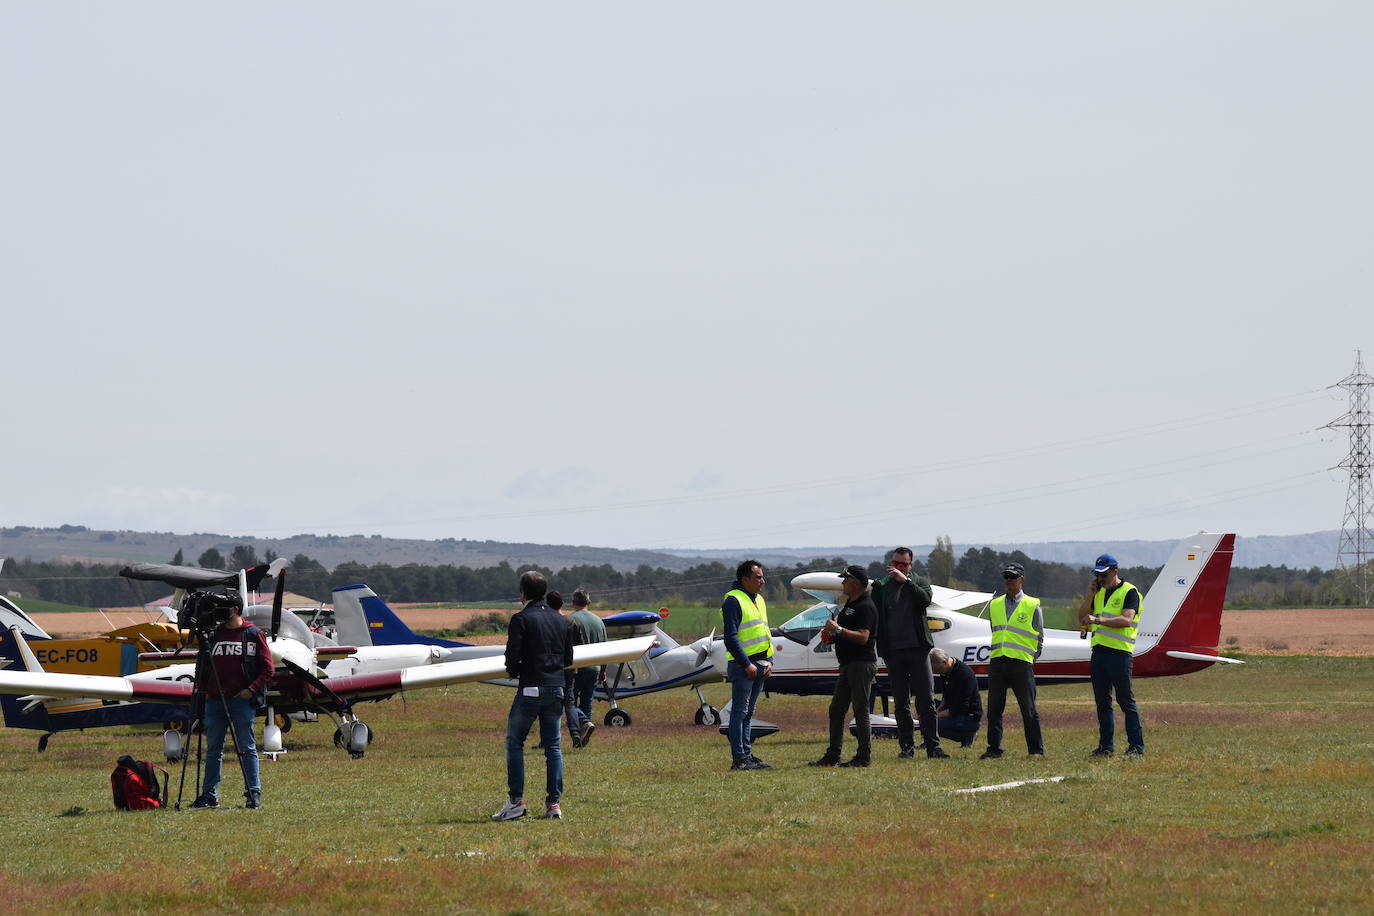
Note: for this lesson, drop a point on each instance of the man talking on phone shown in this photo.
(904, 642)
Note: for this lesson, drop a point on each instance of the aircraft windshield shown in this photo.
(805, 625)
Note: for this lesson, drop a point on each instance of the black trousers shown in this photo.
(853, 687)
(1006, 672)
(909, 674)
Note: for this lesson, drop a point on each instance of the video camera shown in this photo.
(203, 610)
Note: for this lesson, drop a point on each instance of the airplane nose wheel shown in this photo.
(617, 718)
(358, 737)
(706, 715)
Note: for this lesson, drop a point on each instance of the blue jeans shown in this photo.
(584, 682)
(1111, 672)
(216, 725)
(548, 709)
(744, 696)
(958, 728)
(584, 689)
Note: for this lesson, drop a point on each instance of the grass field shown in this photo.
(1257, 794)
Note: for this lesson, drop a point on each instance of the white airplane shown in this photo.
(360, 614)
(1179, 630)
(301, 683)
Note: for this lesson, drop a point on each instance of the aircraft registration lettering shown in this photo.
(59, 656)
(977, 653)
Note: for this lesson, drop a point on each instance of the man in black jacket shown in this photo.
(904, 643)
(539, 646)
(960, 712)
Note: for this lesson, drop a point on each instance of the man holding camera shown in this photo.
(235, 688)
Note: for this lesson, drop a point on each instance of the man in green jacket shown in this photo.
(904, 642)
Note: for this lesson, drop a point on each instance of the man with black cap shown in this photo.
(853, 632)
(1018, 634)
(1116, 610)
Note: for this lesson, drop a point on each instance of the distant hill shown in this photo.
(1296, 551)
(74, 543)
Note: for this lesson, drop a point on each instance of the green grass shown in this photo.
(1257, 794)
(33, 606)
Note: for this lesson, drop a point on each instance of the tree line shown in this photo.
(980, 569)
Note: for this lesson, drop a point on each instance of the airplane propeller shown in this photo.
(704, 649)
(277, 602)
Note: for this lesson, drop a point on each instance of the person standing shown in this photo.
(1116, 610)
(749, 644)
(960, 713)
(904, 642)
(539, 648)
(853, 631)
(1018, 635)
(591, 630)
(241, 665)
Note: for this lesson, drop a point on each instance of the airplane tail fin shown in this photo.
(361, 618)
(12, 616)
(1182, 616)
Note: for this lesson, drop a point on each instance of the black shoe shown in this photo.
(827, 760)
(991, 753)
(968, 743)
(856, 761)
(744, 763)
(1101, 752)
(1135, 752)
(759, 764)
(205, 801)
(937, 753)
(586, 736)
(906, 753)
(252, 798)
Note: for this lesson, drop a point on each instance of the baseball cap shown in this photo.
(855, 571)
(1104, 563)
(1015, 570)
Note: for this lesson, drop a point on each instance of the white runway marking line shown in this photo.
(1009, 785)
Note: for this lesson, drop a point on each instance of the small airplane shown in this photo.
(301, 684)
(666, 666)
(1179, 630)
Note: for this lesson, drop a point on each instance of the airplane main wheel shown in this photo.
(283, 722)
(707, 716)
(175, 725)
(617, 718)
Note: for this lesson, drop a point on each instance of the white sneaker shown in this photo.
(510, 811)
(553, 813)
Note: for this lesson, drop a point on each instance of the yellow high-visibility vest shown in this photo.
(754, 635)
(1115, 637)
(1014, 637)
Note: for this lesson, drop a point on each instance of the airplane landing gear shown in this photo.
(354, 737)
(617, 718)
(706, 714)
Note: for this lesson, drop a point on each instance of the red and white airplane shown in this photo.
(1179, 630)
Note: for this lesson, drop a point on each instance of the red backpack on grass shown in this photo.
(135, 785)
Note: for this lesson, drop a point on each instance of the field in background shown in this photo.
(1257, 794)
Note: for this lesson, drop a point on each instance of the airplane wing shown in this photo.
(150, 690)
(478, 669)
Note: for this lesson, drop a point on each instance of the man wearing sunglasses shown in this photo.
(904, 642)
(1018, 634)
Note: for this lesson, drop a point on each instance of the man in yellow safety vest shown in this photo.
(1018, 633)
(1116, 610)
(749, 642)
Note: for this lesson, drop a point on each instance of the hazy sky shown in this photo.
(683, 275)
